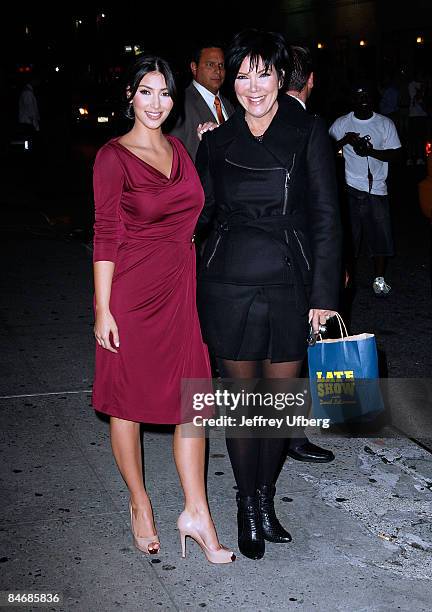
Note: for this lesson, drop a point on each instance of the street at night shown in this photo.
(360, 524)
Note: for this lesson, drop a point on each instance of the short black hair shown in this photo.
(301, 68)
(205, 44)
(270, 47)
(143, 65)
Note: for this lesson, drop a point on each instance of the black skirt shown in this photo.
(252, 322)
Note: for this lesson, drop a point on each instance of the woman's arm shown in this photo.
(324, 225)
(108, 186)
(204, 169)
(105, 324)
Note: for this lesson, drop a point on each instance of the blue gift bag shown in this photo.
(343, 375)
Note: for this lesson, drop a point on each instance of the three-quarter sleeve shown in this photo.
(203, 166)
(108, 180)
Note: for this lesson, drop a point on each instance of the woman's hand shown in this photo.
(104, 326)
(205, 127)
(318, 317)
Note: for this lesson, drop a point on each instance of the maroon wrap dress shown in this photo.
(144, 223)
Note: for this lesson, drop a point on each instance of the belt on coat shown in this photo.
(288, 224)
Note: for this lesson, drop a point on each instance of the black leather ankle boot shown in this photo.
(250, 537)
(271, 528)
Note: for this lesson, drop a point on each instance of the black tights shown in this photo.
(256, 461)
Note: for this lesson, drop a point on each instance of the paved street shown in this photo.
(361, 526)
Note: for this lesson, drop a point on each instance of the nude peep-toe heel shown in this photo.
(188, 527)
(143, 544)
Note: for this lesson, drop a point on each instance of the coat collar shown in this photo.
(281, 138)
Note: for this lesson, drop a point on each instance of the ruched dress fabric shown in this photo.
(144, 223)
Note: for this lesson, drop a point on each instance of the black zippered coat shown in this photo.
(272, 206)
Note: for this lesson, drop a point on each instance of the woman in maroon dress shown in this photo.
(148, 198)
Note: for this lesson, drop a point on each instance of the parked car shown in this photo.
(97, 108)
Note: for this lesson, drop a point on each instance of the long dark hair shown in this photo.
(270, 47)
(142, 66)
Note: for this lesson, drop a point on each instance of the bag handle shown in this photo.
(342, 329)
(342, 326)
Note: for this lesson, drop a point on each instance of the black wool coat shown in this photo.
(272, 206)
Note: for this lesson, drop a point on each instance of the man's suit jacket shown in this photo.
(195, 111)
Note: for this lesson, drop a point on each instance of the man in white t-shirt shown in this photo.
(368, 141)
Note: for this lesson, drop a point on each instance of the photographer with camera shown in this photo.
(368, 141)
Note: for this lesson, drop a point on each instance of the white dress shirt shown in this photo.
(209, 99)
(298, 100)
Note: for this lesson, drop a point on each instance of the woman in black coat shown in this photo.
(272, 259)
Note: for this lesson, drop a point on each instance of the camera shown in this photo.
(362, 145)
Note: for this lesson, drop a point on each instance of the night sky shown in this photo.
(157, 26)
(91, 52)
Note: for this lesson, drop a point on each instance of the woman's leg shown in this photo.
(271, 454)
(243, 452)
(244, 457)
(189, 455)
(195, 520)
(126, 446)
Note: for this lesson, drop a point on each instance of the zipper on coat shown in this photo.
(287, 260)
(249, 168)
(285, 201)
(287, 178)
(214, 251)
(302, 250)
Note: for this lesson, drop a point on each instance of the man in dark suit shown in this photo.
(298, 90)
(301, 80)
(203, 102)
